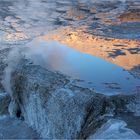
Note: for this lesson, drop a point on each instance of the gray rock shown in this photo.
(57, 109)
(12, 128)
(134, 105)
(4, 103)
(114, 129)
(135, 71)
(3, 58)
(51, 105)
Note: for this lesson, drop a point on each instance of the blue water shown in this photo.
(89, 71)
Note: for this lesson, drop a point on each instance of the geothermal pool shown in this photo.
(86, 70)
(96, 43)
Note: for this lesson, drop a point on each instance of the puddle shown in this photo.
(22, 21)
(87, 70)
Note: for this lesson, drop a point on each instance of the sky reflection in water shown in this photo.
(89, 71)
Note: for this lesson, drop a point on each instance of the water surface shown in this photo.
(86, 70)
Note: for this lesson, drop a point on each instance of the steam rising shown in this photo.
(39, 52)
(13, 59)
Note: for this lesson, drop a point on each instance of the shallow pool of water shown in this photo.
(87, 70)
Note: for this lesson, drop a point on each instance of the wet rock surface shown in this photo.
(131, 120)
(57, 109)
(12, 128)
(136, 71)
(19, 21)
(3, 63)
(4, 103)
(113, 130)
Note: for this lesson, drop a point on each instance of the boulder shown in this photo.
(3, 58)
(114, 129)
(55, 108)
(12, 128)
(4, 103)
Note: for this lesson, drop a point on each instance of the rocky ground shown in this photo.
(56, 108)
(36, 102)
(11, 128)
